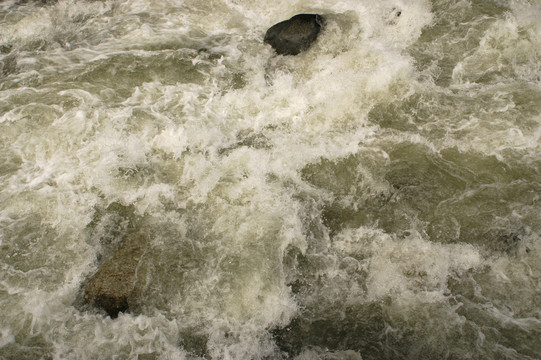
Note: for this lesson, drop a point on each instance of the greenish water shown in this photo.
(375, 197)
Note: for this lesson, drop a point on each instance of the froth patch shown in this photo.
(35, 27)
(6, 337)
(409, 267)
(508, 49)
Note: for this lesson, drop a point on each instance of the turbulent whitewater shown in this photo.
(374, 197)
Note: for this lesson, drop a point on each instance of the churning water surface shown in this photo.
(375, 197)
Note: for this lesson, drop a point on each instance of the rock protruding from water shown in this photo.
(113, 287)
(292, 36)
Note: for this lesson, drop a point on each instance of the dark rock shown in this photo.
(292, 36)
(113, 287)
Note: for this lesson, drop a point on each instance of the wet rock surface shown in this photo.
(113, 287)
(292, 36)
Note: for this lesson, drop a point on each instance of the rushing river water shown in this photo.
(375, 197)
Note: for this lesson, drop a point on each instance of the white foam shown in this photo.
(404, 267)
(213, 165)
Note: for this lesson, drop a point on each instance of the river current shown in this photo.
(375, 197)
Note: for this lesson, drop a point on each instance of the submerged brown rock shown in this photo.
(292, 36)
(113, 287)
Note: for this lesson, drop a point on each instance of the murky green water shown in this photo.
(375, 197)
